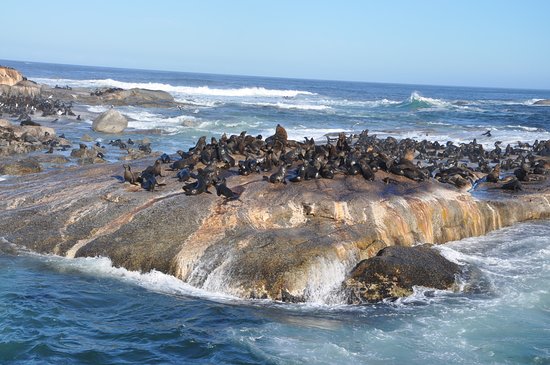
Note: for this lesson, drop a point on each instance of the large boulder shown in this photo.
(21, 167)
(9, 76)
(394, 271)
(23, 88)
(110, 121)
(138, 97)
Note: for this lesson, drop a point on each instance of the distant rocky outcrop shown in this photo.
(22, 88)
(112, 96)
(9, 76)
(394, 271)
(13, 83)
(138, 97)
(110, 121)
(542, 102)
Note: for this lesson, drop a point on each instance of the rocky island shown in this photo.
(285, 220)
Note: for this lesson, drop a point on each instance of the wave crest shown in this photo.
(255, 91)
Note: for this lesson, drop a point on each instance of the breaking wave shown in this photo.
(186, 90)
(280, 105)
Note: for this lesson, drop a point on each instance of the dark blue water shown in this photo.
(216, 104)
(84, 311)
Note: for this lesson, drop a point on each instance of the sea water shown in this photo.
(63, 311)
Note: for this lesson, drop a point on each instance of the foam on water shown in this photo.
(281, 105)
(182, 90)
(154, 280)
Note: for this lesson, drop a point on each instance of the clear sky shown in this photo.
(441, 42)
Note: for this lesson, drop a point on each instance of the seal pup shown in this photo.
(165, 158)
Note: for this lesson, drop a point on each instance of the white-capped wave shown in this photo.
(522, 127)
(418, 101)
(527, 102)
(186, 90)
(360, 103)
(290, 106)
(199, 103)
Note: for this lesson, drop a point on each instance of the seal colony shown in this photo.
(292, 220)
(278, 160)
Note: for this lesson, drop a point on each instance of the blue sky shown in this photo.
(471, 43)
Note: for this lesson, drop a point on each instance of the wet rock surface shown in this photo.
(287, 242)
(394, 271)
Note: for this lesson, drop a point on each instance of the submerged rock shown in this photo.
(542, 102)
(110, 121)
(394, 271)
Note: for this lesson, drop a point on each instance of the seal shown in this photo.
(277, 177)
(513, 185)
(184, 174)
(300, 174)
(155, 170)
(129, 176)
(494, 175)
(198, 187)
(222, 189)
(165, 158)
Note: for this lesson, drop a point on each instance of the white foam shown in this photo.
(530, 129)
(324, 277)
(97, 108)
(153, 280)
(199, 103)
(527, 102)
(319, 134)
(168, 125)
(291, 106)
(416, 97)
(187, 90)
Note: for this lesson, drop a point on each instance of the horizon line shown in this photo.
(281, 77)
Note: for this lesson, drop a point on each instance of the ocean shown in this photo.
(55, 310)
